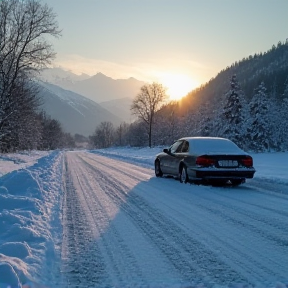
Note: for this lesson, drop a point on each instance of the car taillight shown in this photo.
(247, 161)
(204, 161)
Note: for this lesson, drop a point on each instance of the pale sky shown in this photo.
(179, 43)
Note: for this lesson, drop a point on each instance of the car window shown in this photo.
(185, 147)
(175, 146)
(214, 146)
(179, 148)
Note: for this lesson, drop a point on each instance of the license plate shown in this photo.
(228, 163)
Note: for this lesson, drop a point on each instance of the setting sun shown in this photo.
(178, 85)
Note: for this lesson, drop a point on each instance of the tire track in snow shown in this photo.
(121, 257)
(78, 240)
(134, 172)
(278, 190)
(259, 264)
(117, 261)
(190, 245)
(270, 225)
(238, 193)
(275, 265)
(239, 236)
(193, 260)
(251, 222)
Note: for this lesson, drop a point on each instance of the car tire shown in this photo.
(158, 171)
(183, 176)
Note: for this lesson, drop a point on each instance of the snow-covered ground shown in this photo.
(34, 190)
(30, 226)
(16, 161)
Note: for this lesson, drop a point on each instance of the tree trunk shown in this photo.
(150, 134)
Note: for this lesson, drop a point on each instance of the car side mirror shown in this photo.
(168, 151)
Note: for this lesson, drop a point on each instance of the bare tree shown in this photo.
(146, 104)
(23, 50)
(52, 133)
(167, 127)
(136, 135)
(120, 134)
(104, 135)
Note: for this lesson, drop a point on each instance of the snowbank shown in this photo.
(30, 225)
(15, 161)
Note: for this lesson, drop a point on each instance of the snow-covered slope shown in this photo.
(120, 107)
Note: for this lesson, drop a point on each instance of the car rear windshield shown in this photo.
(214, 146)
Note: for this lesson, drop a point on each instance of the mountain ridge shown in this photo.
(98, 87)
(76, 113)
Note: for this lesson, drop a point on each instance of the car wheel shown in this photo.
(183, 175)
(158, 171)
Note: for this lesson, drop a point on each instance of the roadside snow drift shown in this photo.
(30, 227)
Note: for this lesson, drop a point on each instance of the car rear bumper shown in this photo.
(209, 173)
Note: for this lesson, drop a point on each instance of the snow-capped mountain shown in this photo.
(76, 113)
(114, 95)
(98, 88)
(60, 77)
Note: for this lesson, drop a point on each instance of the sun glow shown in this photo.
(178, 85)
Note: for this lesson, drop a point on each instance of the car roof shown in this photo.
(203, 138)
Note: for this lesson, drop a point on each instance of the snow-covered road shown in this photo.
(122, 227)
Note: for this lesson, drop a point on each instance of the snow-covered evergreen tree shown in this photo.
(283, 124)
(275, 109)
(233, 118)
(259, 132)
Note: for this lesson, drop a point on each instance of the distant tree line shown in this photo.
(24, 51)
(247, 103)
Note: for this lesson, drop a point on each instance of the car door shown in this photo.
(182, 153)
(176, 158)
(167, 160)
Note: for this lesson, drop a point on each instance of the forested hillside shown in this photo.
(270, 67)
(246, 102)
